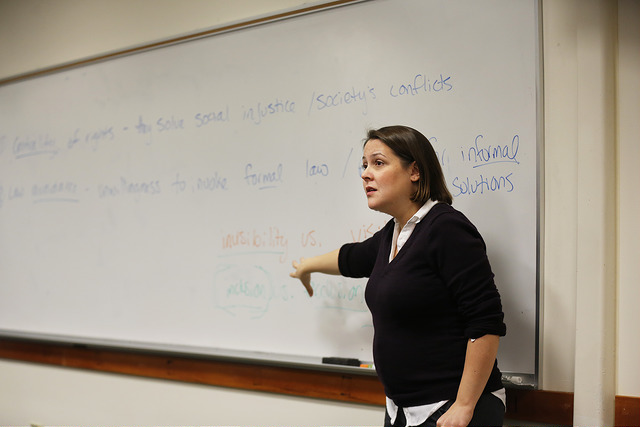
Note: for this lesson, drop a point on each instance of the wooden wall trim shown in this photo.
(209, 371)
(550, 407)
(522, 404)
(627, 411)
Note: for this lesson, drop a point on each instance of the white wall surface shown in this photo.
(46, 395)
(36, 34)
(628, 127)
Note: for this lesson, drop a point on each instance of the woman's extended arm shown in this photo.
(480, 357)
(326, 263)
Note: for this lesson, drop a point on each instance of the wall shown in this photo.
(35, 394)
(591, 169)
(628, 166)
(591, 160)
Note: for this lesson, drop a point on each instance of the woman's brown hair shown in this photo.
(412, 146)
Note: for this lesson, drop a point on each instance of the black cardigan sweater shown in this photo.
(435, 295)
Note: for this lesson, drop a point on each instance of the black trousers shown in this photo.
(489, 411)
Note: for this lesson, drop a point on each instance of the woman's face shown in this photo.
(388, 183)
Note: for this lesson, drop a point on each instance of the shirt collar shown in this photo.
(422, 212)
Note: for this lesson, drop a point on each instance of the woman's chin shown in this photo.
(374, 206)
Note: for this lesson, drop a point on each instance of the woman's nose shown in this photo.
(365, 175)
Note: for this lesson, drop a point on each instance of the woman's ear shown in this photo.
(415, 172)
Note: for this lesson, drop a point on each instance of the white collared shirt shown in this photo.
(401, 234)
(417, 415)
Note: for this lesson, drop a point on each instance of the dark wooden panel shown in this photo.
(223, 373)
(540, 406)
(627, 411)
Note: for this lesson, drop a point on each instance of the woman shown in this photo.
(436, 311)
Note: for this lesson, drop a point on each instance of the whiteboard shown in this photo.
(158, 199)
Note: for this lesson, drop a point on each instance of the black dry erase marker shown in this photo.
(341, 361)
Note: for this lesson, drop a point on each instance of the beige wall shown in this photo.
(628, 168)
(590, 238)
